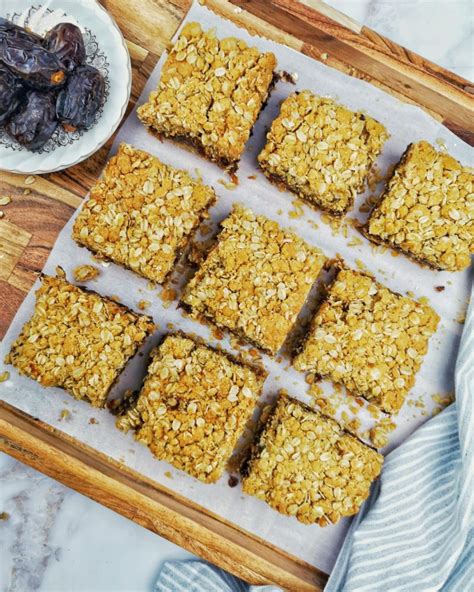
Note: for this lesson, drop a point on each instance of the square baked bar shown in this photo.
(303, 464)
(193, 406)
(142, 213)
(255, 280)
(321, 151)
(210, 94)
(368, 338)
(77, 340)
(427, 209)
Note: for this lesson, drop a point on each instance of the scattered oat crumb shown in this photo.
(170, 326)
(440, 288)
(84, 273)
(4, 201)
(227, 184)
(65, 414)
(355, 241)
(143, 304)
(4, 376)
(26, 191)
(205, 229)
(168, 474)
(379, 433)
(115, 298)
(252, 177)
(30, 180)
(4, 515)
(93, 421)
(360, 264)
(217, 333)
(442, 401)
(167, 296)
(324, 56)
(461, 318)
(298, 212)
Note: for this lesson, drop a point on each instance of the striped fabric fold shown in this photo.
(416, 531)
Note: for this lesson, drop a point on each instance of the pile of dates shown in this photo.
(45, 82)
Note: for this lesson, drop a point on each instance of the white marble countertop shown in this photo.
(56, 540)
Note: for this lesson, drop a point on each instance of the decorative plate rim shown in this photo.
(113, 128)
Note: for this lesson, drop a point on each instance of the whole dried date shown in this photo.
(79, 101)
(27, 59)
(35, 122)
(11, 91)
(7, 28)
(66, 42)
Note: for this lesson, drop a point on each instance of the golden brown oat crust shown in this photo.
(142, 213)
(210, 93)
(77, 340)
(368, 338)
(321, 151)
(255, 280)
(303, 464)
(194, 405)
(427, 210)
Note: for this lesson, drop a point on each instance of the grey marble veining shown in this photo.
(56, 540)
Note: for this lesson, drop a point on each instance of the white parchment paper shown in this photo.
(406, 124)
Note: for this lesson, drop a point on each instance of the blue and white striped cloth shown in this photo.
(416, 531)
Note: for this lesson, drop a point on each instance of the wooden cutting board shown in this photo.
(34, 218)
(41, 205)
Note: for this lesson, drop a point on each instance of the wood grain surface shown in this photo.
(158, 509)
(41, 205)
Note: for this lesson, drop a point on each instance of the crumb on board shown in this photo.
(4, 516)
(5, 200)
(84, 273)
(440, 288)
(169, 474)
(143, 304)
(93, 421)
(4, 376)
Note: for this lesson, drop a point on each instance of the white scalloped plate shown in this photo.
(88, 14)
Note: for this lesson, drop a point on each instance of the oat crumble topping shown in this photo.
(427, 209)
(193, 406)
(321, 151)
(77, 340)
(304, 465)
(84, 273)
(210, 93)
(368, 338)
(255, 280)
(142, 213)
